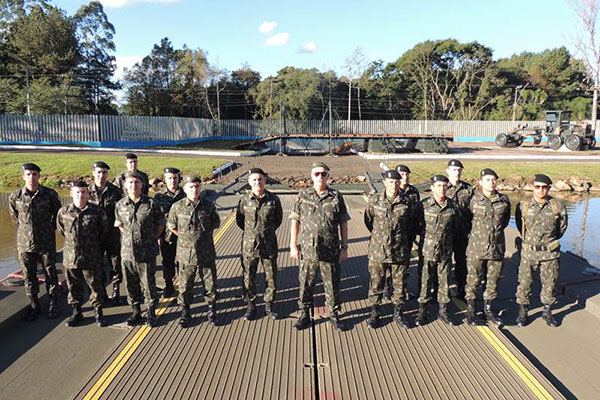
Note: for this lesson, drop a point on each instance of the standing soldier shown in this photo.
(389, 218)
(106, 195)
(542, 221)
(84, 226)
(33, 208)
(438, 225)
(461, 192)
(168, 242)
(490, 212)
(321, 212)
(193, 219)
(131, 165)
(141, 222)
(259, 214)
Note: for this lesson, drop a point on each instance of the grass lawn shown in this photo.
(70, 166)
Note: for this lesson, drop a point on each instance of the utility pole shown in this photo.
(27, 83)
(349, 96)
(330, 129)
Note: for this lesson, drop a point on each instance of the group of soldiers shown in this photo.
(121, 223)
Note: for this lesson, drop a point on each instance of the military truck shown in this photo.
(558, 130)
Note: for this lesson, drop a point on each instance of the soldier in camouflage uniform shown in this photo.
(131, 165)
(439, 220)
(542, 221)
(321, 213)
(33, 208)
(84, 226)
(106, 195)
(141, 222)
(490, 213)
(193, 219)
(259, 214)
(168, 242)
(389, 218)
(461, 192)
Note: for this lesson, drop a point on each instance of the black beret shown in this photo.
(391, 174)
(257, 171)
(319, 164)
(191, 179)
(134, 174)
(130, 156)
(439, 178)
(171, 170)
(455, 163)
(100, 164)
(543, 179)
(31, 167)
(488, 171)
(402, 168)
(79, 183)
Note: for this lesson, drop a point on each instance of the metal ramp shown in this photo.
(269, 359)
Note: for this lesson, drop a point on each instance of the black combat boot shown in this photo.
(373, 321)
(250, 311)
(491, 315)
(76, 317)
(186, 317)
(135, 317)
(270, 312)
(303, 321)
(33, 311)
(522, 318)
(472, 318)
(336, 321)
(53, 307)
(151, 319)
(115, 297)
(399, 317)
(212, 314)
(421, 315)
(547, 316)
(169, 288)
(99, 316)
(443, 315)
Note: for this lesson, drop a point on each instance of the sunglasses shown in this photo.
(541, 187)
(316, 174)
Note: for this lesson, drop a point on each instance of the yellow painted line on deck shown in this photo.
(113, 369)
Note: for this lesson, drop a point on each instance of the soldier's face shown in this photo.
(540, 190)
(100, 176)
(80, 196)
(131, 164)
(319, 176)
(454, 173)
(488, 183)
(439, 189)
(257, 182)
(192, 190)
(172, 181)
(134, 187)
(404, 178)
(31, 178)
(391, 186)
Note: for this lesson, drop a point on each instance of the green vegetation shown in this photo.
(57, 169)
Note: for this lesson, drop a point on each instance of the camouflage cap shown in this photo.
(488, 171)
(455, 163)
(403, 168)
(319, 164)
(100, 164)
(256, 171)
(171, 170)
(191, 179)
(439, 178)
(392, 174)
(79, 183)
(134, 174)
(542, 179)
(31, 167)
(130, 156)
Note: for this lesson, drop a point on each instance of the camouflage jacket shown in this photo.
(139, 222)
(259, 219)
(462, 194)
(438, 226)
(84, 231)
(106, 198)
(413, 195)
(166, 199)
(490, 216)
(35, 216)
(545, 224)
(195, 225)
(120, 182)
(320, 217)
(391, 226)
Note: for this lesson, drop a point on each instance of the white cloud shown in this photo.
(308, 47)
(267, 27)
(279, 39)
(123, 3)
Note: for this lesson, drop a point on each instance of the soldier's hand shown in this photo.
(294, 253)
(343, 255)
(160, 241)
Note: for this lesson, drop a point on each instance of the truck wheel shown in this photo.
(554, 142)
(573, 142)
(502, 140)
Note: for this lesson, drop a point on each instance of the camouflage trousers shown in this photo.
(249, 268)
(548, 275)
(477, 267)
(29, 265)
(377, 271)
(330, 274)
(460, 261)
(187, 276)
(75, 281)
(167, 251)
(432, 269)
(113, 253)
(140, 282)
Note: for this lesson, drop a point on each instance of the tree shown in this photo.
(238, 103)
(354, 67)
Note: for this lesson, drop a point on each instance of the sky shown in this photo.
(270, 35)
